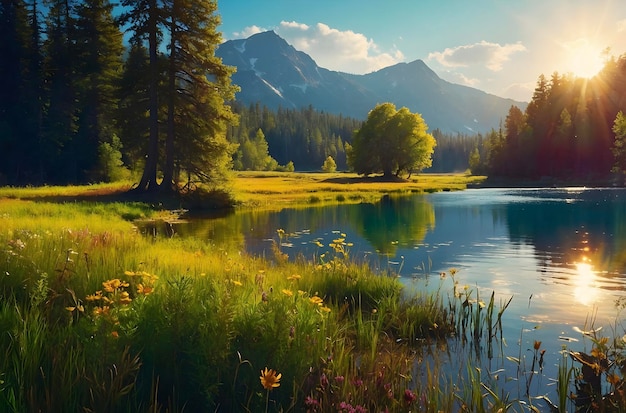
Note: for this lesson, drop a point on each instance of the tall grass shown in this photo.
(96, 317)
(99, 318)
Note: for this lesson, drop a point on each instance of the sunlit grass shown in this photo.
(273, 189)
(103, 309)
(93, 190)
(98, 316)
(269, 189)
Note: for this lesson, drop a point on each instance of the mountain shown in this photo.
(272, 72)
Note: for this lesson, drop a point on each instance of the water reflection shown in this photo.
(510, 238)
(586, 291)
(393, 221)
(561, 254)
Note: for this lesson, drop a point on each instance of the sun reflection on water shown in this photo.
(586, 291)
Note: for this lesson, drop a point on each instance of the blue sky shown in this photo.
(499, 46)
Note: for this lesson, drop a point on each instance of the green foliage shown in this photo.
(289, 167)
(110, 161)
(475, 162)
(253, 154)
(329, 165)
(453, 151)
(305, 136)
(392, 142)
(619, 144)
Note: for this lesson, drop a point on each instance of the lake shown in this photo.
(560, 253)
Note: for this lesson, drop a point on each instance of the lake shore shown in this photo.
(549, 182)
(274, 189)
(253, 189)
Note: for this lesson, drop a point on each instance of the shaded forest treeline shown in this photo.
(306, 137)
(566, 131)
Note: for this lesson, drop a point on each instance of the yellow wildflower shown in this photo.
(104, 310)
(288, 293)
(125, 298)
(144, 289)
(269, 379)
(316, 300)
(114, 284)
(237, 283)
(294, 277)
(94, 297)
(325, 309)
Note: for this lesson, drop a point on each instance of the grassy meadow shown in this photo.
(96, 317)
(271, 189)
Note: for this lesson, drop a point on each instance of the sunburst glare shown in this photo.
(586, 291)
(583, 58)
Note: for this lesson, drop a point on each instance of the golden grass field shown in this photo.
(268, 189)
(277, 188)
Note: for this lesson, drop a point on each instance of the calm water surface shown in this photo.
(560, 253)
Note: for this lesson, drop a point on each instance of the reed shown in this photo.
(95, 316)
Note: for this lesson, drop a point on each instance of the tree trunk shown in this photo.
(168, 183)
(149, 177)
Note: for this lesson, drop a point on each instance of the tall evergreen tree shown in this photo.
(59, 126)
(16, 107)
(99, 53)
(619, 144)
(197, 88)
(34, 91)
(515, 142)
(133, 115)
(144, 18)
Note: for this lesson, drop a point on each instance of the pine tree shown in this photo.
(17, 108)
(134, 106)
(99, 53)
(144, 18)
(59, 125)
(197, 87)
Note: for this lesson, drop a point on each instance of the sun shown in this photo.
(583, 58)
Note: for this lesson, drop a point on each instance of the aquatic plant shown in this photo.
(100, 317)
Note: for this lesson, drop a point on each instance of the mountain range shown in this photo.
(274, 73)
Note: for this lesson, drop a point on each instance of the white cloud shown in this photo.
(490, 55)
(621, 26)
(294, 25)
(345, 51)
(248, 31)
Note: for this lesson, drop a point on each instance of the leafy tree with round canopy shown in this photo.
(391, 142)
